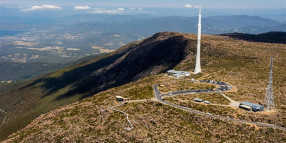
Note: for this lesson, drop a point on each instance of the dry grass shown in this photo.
(176, 85)
(214, 98)
(83, 122)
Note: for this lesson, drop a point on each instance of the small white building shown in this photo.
(207, 102)
(121, 99)
(178, 73)
(198, 100)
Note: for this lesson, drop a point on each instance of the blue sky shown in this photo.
(221, 4)
(275, 9)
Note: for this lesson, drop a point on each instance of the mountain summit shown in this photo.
(154, 55)
(131, 72)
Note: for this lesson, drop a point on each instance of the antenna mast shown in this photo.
(269, 98)
(198, 57)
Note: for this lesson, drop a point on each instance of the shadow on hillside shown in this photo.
(70, 77)
(145, 58)
(270, 37)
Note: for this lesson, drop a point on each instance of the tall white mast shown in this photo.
(198, 57)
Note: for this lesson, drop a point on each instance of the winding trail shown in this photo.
(159, 98)
(139, 100)
(127, 118)
(5, 116)
(131, 126)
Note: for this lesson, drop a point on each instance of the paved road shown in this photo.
(159, 96)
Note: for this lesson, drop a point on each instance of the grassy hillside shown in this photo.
(37, 96)
(240, 63)
(134, 61)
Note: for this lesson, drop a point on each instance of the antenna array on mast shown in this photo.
(269, 98)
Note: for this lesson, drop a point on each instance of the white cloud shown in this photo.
(132, 8)
(42, 7)
(188, 6)
(121, 9)
(107, 11)
(192, 6)
(131, 11)
(81, 7)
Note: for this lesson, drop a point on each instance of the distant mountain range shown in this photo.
(146, 24)
(82, 31)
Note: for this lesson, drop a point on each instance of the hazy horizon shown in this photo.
(51, 8)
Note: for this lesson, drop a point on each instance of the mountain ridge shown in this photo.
(238, 62)
(129, 63)
(269, 37)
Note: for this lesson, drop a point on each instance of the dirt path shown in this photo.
(5, 116)
(232, 102)
(131, 126)
(140, 100)
(127, 118)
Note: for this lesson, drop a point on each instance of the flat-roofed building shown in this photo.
(207, 102)
(178, 73)
(198, 100)
(251, 106)
(248, 108)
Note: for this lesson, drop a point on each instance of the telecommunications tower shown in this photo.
(269, 98)
(198, 57)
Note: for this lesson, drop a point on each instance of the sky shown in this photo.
(220, 4)
(275, 9)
